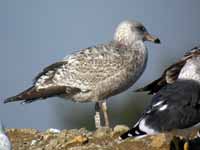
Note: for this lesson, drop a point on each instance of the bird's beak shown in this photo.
(149, 37)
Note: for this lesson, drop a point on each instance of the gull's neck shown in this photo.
(134, 45)
(139, 44)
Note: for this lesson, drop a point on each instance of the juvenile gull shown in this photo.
(93, 74)
(175, 106)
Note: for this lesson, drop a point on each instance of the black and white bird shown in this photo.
(175, 105)
(93, 74)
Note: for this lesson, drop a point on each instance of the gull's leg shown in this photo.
(186, 144)
(97, 118)
(105, 113)
(175, 142)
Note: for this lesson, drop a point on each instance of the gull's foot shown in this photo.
(176, 143)
(186, 145)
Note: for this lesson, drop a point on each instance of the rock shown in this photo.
(52, 130)
(33, 142)
(102, 132)
(81, 139)
(159, 141)
(119, 129)
(78, 140)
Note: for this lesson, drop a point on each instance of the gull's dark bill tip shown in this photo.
(157, 41)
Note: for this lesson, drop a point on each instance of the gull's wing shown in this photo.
(83, 69)
(175, 106)
(51, 67)
(170, 74)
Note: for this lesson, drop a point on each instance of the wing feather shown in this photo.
(170, 74)
(83, 68)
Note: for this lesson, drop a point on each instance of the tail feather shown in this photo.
(134, 132)
(32, 94)
(22, 96)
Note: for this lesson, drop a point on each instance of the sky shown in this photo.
(36, 33)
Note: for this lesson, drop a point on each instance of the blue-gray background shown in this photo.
(36, 33)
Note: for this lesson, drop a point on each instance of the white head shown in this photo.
(128, 32)
(191, 70)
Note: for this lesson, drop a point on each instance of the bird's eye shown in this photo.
(141, 28)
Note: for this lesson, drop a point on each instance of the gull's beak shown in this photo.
(149, 37)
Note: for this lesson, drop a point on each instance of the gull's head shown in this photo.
(129, 32)
(191, 69)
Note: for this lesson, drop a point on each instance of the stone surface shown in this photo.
(81, 139)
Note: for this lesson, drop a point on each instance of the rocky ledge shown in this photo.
(82, 139)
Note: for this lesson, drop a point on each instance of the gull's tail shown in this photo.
(134, 132)
(32, 94)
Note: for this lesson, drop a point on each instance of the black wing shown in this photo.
(175, 106)
(182, 101)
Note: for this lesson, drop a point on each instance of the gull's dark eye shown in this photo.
(141, 28)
